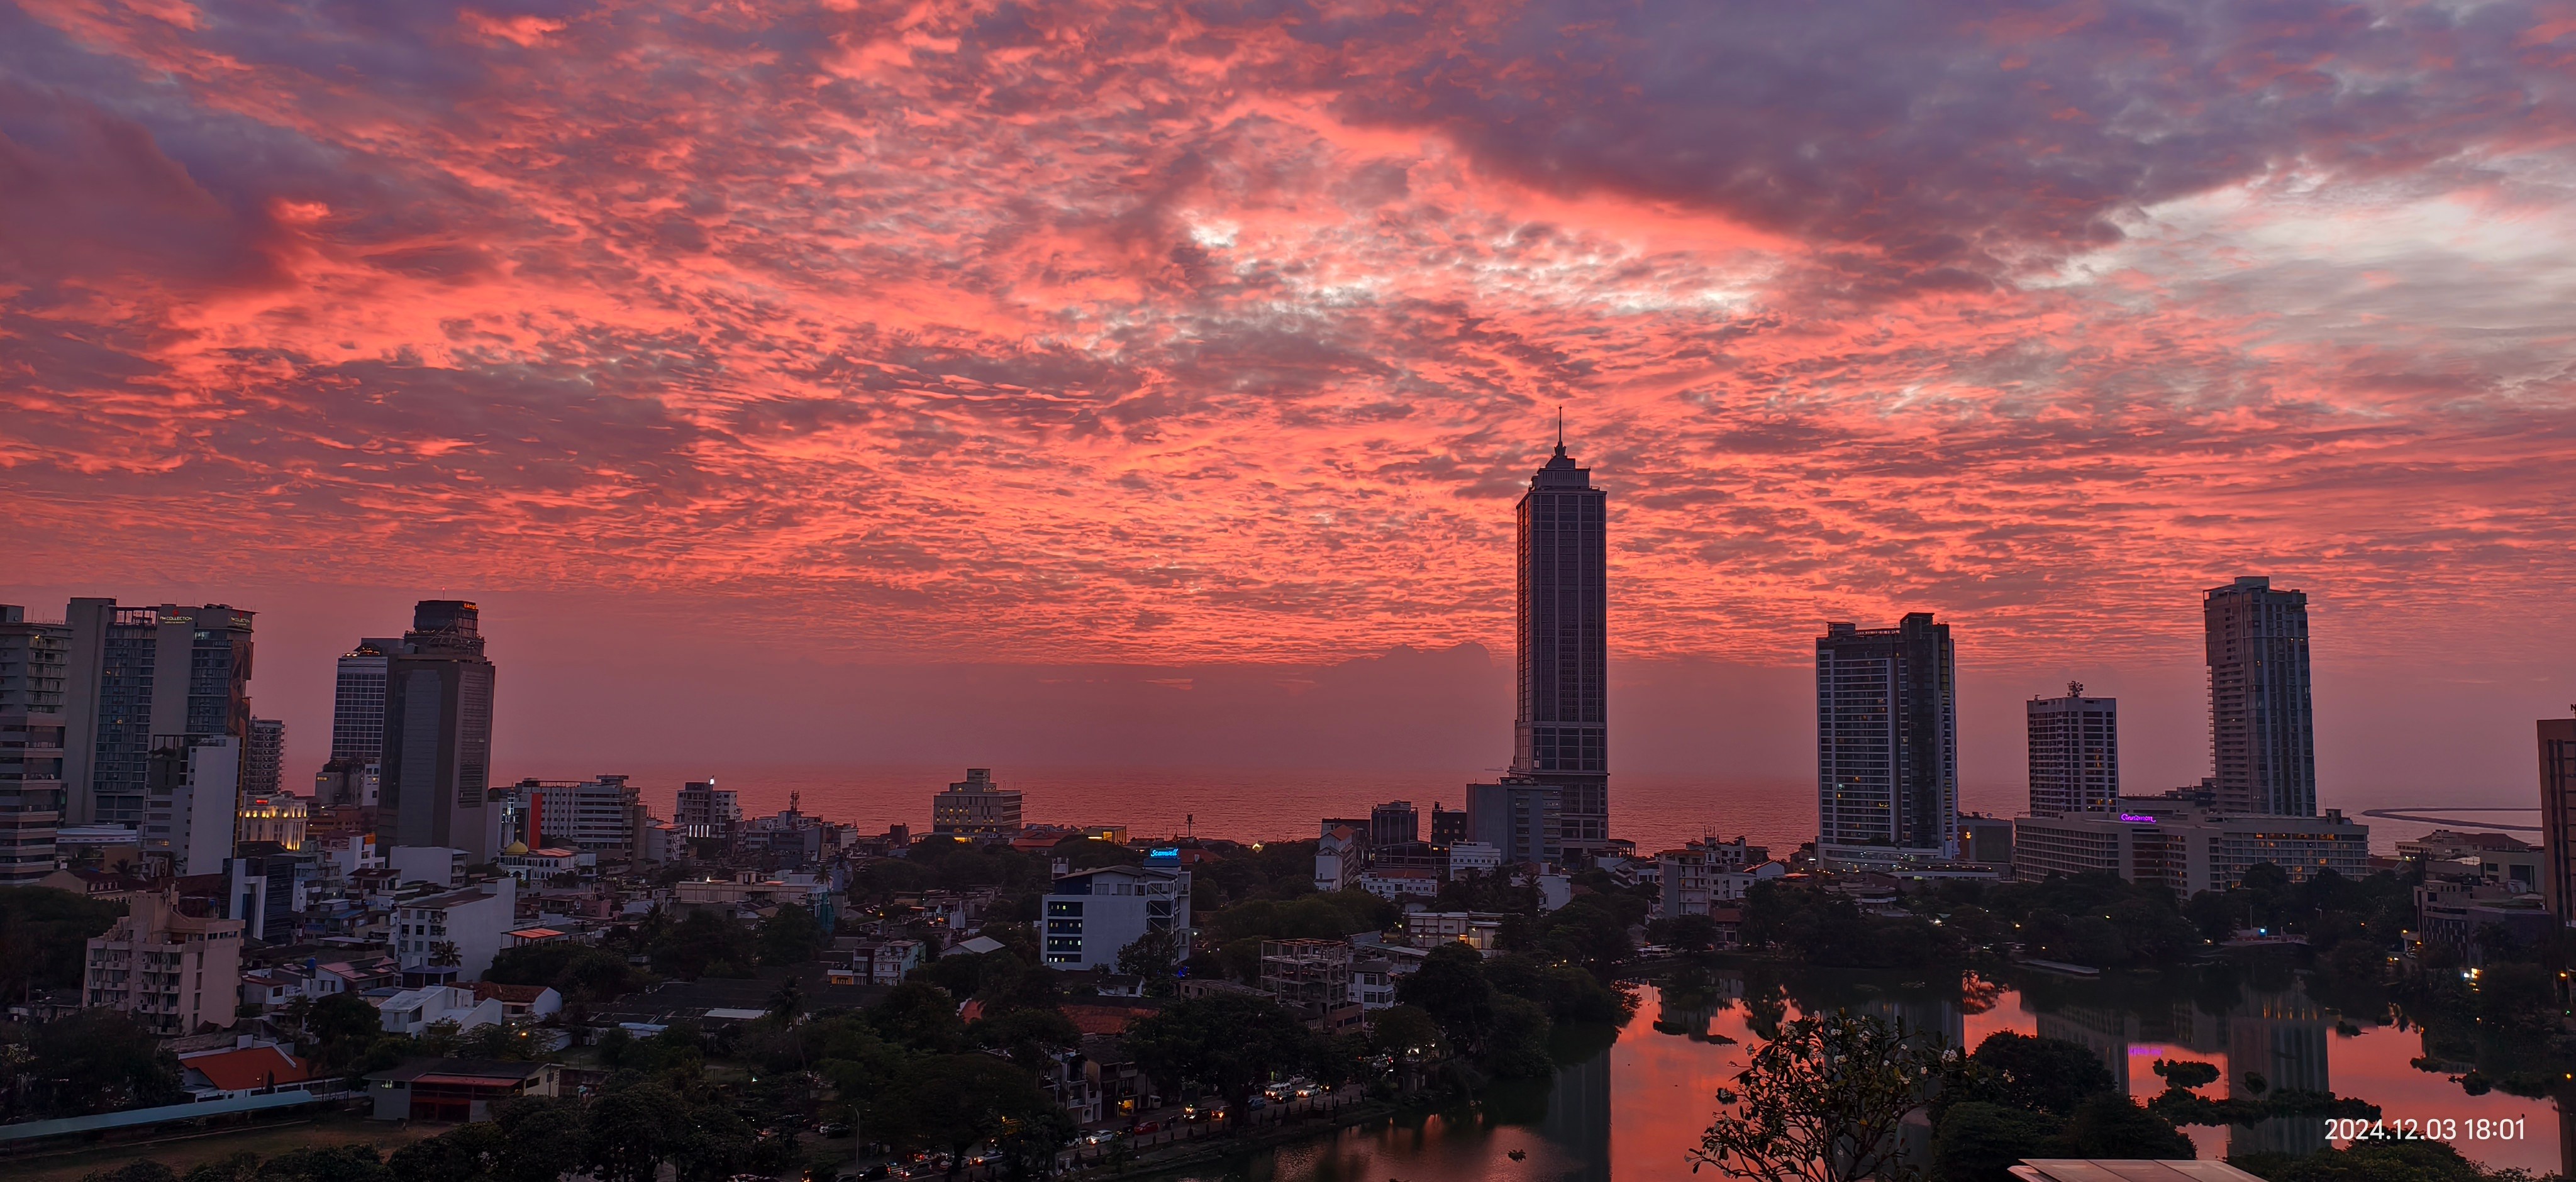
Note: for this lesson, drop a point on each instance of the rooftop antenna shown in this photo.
(1560, 428)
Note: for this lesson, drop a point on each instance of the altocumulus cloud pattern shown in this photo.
(1089, 331)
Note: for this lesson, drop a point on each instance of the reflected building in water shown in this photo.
(1578, 1117)
(2278, 1035)
(2282, 1037)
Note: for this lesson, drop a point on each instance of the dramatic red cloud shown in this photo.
(1224, 332)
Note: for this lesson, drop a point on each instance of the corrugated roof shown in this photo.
(249, 1067)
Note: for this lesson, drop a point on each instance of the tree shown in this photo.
(326, 1163)
(704, 943)
(631, 1131)
(1028, 1036)
(1976, 1141)
(466, 1153)
(146, 1170)
(1152, 956)
(2109, 1125)
(1516, 1048)
(1822, 1102)
(955, 1102)
(2033, 1074)
(921, 1016)
(44, 934)
(343, 1026)
(580, 972)
(1229, 1043)
(1451, 987)
(1405, 1030)
(789, 936)
(1684, 933)
(99, 1060)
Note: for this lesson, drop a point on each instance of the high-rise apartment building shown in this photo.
(33, 671)
(172, 971)
(1887, 743)
(2261, 731)
(2558, 813)
(2074, 753)
(358, 701)
(264, 758)
(1562, 735)
(975, 807)
(436, 771)
(141, 672)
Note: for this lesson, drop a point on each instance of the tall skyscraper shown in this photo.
(1887, 743)
(264, 758)
(2074, 753)
(1562, 736)
(33, 671)
(437, 765)
(2261, 731)
(358, 703)
(141, 672)
(2558, 813)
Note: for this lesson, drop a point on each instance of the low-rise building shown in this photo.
(412, 1011)
(749, 891)
(1707, 871)
(2179, 846)
(1400, 883)
(455, 1090)
(1092, 915)
(864, 960)
(1430, 929)
(243, 1071)
(457, 931)
(2469, 916)
(172, 972)
(2502, 859)
(520, 1003)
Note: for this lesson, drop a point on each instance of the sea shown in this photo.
(1657, 812)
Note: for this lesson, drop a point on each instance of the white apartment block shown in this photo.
(472, 920)
(1093, 914)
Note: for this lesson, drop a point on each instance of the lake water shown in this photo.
(1629, 1112)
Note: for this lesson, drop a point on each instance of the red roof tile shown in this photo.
(250, 1067)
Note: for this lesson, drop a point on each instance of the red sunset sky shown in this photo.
(1081, 383)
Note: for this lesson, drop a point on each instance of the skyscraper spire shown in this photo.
(1560, 429)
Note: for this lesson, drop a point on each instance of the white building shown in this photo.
(1339, 855)
(414, 1010)
(188, 800)
(1474, 857)
(1093, 914)
(1399, 883)
(473, 920)
(1372, 982)
(2184, 848)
